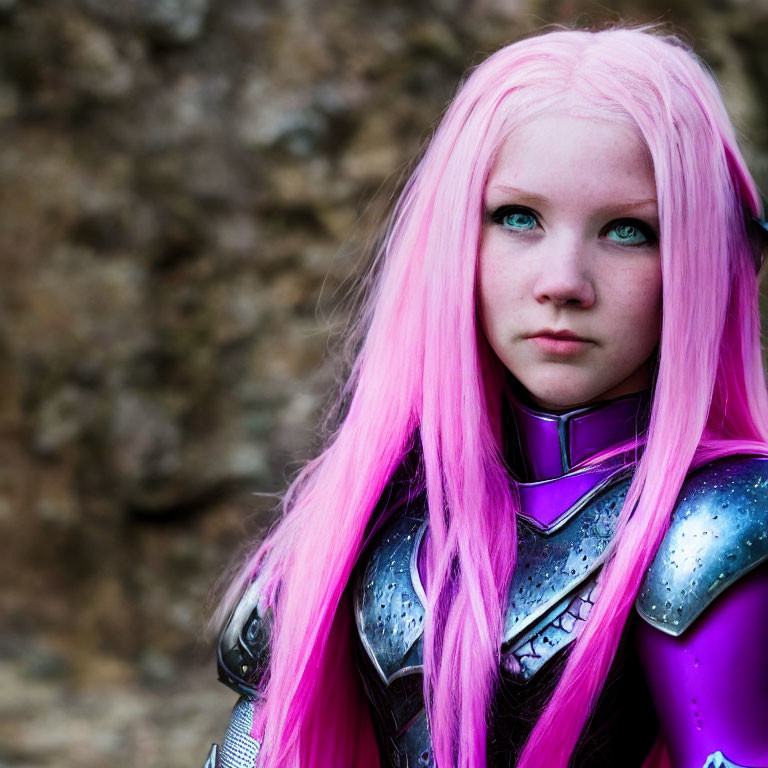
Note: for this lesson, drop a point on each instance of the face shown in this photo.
(570, 249)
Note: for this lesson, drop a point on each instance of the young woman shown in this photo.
(539, 534)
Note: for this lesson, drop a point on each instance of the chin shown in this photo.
(563, 403)
(561, 397)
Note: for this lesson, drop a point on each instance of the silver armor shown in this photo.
(551, 592)
(717, 534)
(239, 749)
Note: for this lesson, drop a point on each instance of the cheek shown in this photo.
(638, 313)
(498, 303)
(500, 284)
(487, 293)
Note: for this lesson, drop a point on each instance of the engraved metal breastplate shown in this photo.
(550, 593)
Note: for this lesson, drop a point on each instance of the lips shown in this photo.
(560, 344)
(562, 334)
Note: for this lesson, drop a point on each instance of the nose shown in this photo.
(563, 278)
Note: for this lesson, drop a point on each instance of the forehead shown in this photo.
(557, 153)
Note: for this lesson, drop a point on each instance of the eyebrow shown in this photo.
(539, 200)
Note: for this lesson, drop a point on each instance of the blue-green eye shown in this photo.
(514, 219)
(631, 233)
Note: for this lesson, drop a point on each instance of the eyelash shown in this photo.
(651, 238)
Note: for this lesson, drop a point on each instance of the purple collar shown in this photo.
(545, 446)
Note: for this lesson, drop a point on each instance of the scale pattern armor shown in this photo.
(239, 748)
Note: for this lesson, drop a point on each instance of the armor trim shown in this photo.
(611, 471)
(536, 647)
(719, 760)
(718, 533)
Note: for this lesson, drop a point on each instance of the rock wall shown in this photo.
(186, 189)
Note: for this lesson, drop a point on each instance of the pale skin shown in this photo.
(570, 243)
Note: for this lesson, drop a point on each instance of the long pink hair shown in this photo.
(424, 368)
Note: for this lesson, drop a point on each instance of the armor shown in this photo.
(239, 748)
(719, 760)
(552, 590)
(718, 534)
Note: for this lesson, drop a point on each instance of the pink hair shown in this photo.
(424, 368)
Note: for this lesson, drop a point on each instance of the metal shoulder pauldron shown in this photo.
(243, 657)
(719, 532)
(243, 647)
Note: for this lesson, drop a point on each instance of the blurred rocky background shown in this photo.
(186, 188)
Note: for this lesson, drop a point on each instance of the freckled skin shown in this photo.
(578, 177)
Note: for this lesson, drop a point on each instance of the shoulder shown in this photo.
(243, 646)
(718, 532)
